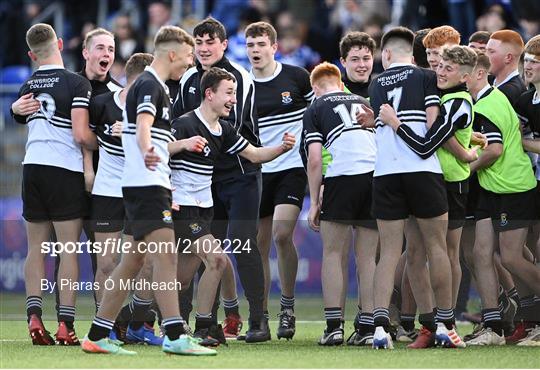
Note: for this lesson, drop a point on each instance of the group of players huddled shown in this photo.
(435, 153)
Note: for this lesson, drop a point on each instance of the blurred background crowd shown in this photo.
(309, 32)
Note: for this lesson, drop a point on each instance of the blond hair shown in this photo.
(94, 33)
(172, 34)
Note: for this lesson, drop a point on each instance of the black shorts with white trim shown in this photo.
(347, 200)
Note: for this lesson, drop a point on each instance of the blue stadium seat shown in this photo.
(15, 74)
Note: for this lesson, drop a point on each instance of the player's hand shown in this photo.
(479, 139)
(89, 178)
(195, 144)
(313, 217)
(175, 206)
(321, 192)
(288, 141)
(365, 118)
(116, 129)
(25, 105)
(151, 159)
(388, 115)
(472, 154)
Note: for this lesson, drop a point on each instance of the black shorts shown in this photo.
(107, 215)
(283, 187)
(472, 199)
(52, 193)
(507, 211)
(148, 208)
(420, 194)
(192, 223)
(347, 200)
(456, 193)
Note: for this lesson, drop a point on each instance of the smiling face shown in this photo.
(181, 60)
(260, 51)
(531, 69)
(358, 64)
(99, 56)
(222, 100)
(209, 50)
(449, 75)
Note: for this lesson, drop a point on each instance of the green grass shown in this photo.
(16, 350)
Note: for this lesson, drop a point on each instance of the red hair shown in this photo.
(509, 37)
(325, 72)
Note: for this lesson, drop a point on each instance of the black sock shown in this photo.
(446, 316)
(287, 303)
(491, 318)
(203, 321)
(381, 318)
(34, 306)
(407, 321)
(366, 323)
(139, 307)
(67, 315)
(231, 306)
(333, 318)
(174, 327)
(100, 329)
(428, 321)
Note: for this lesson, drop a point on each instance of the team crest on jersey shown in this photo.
(504, 219)
(195, 228)
(167, 217)
(286, 97)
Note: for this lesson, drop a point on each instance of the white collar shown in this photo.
(116, 97)
(47, 67)
(482, 92)
(399, 65)
(536, 98)
(277, 71)
(199, 115)
(511, 75)
(153, 72)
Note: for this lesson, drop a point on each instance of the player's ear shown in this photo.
(342, 61)
(85, 54)
(60, 44)
(224, 43)
(32, 56)
(274, 47)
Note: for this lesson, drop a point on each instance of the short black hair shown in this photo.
(419, 50)
(211, 27)
(402, 33)
(211, 79)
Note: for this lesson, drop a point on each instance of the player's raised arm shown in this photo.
(266, 154)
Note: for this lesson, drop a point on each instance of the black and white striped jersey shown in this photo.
(50, 136)
(243, 117)
(410, 90)
(528, 110)
(281, 101)
(331, 121)
(148, 94)
(105, 110)
(192, 172)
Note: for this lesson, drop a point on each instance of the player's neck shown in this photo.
(474, 91)
(123, 94)
(400, 60)
(52, 60)
(502, 75)
(161, 68)
(210, 116)
(267, 71)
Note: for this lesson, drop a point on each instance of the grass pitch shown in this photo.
(16, 350)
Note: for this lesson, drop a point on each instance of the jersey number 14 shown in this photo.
(348, 117)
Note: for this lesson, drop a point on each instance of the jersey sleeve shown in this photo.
(178, 129)
(488, 128)
(233, 143)
(312, 133)
(455, 114)
(430, 88)
(82, 92)
(148, 96)
(94, 114)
